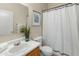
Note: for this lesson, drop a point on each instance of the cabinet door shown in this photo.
(35, 52)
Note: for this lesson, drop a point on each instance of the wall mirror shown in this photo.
(11, 16)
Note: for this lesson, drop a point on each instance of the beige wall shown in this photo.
(51, 5)
(19, 12)
(19, 16)
(35, 31)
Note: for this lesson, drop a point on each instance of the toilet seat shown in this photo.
(46, 50)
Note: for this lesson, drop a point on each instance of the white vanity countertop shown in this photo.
(32, 45)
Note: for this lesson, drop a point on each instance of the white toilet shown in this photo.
(45, 50)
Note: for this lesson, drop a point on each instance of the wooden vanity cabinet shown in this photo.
(35, 52)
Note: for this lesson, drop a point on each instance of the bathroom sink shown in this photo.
(18, 49)
(2, 49)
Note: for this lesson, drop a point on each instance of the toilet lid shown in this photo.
(46, 49)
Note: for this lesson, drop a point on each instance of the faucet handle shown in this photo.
(17, 43)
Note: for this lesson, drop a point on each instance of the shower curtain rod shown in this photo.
(67, 5)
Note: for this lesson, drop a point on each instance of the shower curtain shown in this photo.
(60, 29)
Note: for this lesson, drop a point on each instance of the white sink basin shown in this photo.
(2, 49)
(18, 49)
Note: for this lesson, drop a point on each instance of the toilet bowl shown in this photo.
(45, 50)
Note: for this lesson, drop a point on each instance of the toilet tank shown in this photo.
(38, 39)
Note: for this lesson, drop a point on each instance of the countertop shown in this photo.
(32, 45)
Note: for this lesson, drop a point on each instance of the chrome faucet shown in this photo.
(17, 43)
